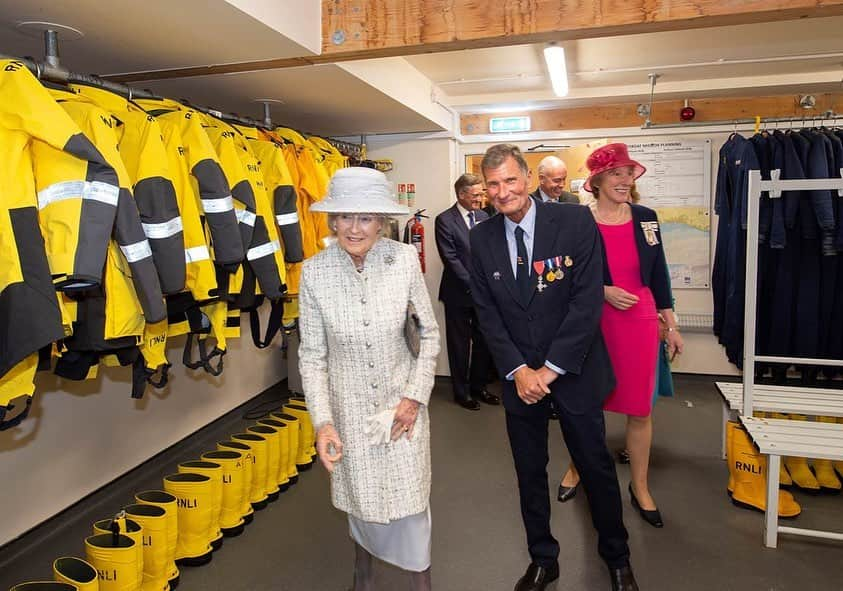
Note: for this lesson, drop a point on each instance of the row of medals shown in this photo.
(557, 272)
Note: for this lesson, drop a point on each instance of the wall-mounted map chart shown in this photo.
(677, 185)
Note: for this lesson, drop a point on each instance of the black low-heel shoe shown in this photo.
(653, 517)
(566, 493)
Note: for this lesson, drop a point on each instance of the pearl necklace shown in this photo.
(618, 219)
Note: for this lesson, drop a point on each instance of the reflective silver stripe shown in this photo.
(245, 216)
(60, 192)
(263, 250)
(217, 205)
(102, 192)
(137, 251)
(285, 219)
(196, 254)
(163, 230)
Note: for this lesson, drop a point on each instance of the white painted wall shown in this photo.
(298, 20)
(82, 435)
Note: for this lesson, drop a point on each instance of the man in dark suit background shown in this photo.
(537, 285)
(553, 173)
(468, 356)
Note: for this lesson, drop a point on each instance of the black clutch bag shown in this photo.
(412, 326)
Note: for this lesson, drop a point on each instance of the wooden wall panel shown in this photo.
(625, 114)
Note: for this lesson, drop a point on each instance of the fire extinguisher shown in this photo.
(414, 234)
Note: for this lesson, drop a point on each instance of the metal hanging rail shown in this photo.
(827, 116)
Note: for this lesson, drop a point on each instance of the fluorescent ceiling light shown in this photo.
(554, 57)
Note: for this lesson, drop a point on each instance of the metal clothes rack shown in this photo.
(804, 120)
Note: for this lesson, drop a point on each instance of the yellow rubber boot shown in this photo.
(231, 516)
(127, 527)
(304, 460)
(824, 469)
(115, 557)
(44, 586)
(82, 575)
(247, 512)
(257, 495)
(301, 401)
(153, 520)
(166, 501)
(293, 433)
(213, 471)
(799, 470)
(730, 456)
(273, 455)
(784, 476)
(281, 478)
(193, 500)
(751, 478)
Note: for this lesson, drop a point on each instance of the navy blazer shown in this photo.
(454, 250)
(560, 323)
(566, 196)
(651, 259)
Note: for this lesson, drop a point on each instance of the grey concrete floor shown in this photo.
(300, 543)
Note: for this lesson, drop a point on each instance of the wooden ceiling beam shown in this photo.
(625, 114)
(365, 29)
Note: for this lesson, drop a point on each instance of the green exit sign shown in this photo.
(509, 124)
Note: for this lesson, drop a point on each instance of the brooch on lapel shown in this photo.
(389, 259)
(650, 229)
(496, 275)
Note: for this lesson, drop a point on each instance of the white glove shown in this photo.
(379, 427)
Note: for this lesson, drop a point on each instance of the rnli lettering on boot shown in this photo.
(226, 478)
(752, 468)
(187, 503)
(147, 541)
(107, 575)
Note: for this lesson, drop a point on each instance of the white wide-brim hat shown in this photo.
(360, 190)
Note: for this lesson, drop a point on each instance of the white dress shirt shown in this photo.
(464, 213)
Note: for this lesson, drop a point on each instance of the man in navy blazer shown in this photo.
(537, 285)
(468, 355)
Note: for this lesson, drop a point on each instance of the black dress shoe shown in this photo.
(486, 398)
(537, 578)
(468, 403)
(651, 516)
(623, 579)
(566, 493)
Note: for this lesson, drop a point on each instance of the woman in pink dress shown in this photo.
(636, 289)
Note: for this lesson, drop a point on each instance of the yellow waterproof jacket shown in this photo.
(332, 159)
(135, 270)
(208, 179)
(143, 153)
(30, 318)
(254, 212)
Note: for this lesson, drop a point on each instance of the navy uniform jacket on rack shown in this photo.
(801, 236)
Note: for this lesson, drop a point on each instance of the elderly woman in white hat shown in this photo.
(368, 376)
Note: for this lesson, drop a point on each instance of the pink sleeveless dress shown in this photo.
(631, 335)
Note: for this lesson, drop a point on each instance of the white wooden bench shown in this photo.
(778, 437)
(784, 399)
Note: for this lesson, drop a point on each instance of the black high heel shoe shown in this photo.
(566, 493)
(651, 516)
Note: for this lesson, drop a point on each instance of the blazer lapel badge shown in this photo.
(496, 275)
(650, 229)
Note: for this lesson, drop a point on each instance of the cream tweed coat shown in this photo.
(354, 363)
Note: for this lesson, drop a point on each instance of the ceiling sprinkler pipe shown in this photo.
(51, 47)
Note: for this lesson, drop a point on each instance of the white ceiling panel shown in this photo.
(323, 99)
(121, 37)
